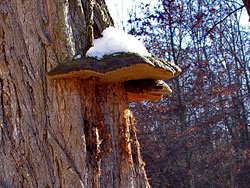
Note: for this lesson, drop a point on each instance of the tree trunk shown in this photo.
(68, 132)
(247, 5)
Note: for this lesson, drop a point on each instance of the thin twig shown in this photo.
(223, 20)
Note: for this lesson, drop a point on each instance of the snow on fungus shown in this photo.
(114, 41)
(77, 57)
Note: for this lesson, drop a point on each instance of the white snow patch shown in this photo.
(77, 57)
(114, 41)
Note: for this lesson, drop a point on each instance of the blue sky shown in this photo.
(119, 10)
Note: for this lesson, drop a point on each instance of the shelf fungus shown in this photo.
(142, 75)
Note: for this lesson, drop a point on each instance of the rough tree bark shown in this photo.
(67, 132)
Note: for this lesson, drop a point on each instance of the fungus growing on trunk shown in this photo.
(142, 75)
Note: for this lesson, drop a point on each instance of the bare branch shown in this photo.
(211, 29)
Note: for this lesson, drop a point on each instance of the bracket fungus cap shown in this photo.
(146, 89)
(123, 67)
(118, 67)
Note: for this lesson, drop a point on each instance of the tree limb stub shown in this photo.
(141, 74)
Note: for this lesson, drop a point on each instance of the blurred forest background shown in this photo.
(198, 137)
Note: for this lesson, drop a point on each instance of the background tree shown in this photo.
(68, 132)
(247, 5)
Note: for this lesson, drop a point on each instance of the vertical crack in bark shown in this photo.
(33, 176)
(62, 150)
(89, 32)
(68, 30)
(16, 111)
(78, 24)
(101, 19)
(4, 132)
(94, 153)
(2, 115)
(45, 142)
(15, 24)
(40, 23)
(3, 46)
